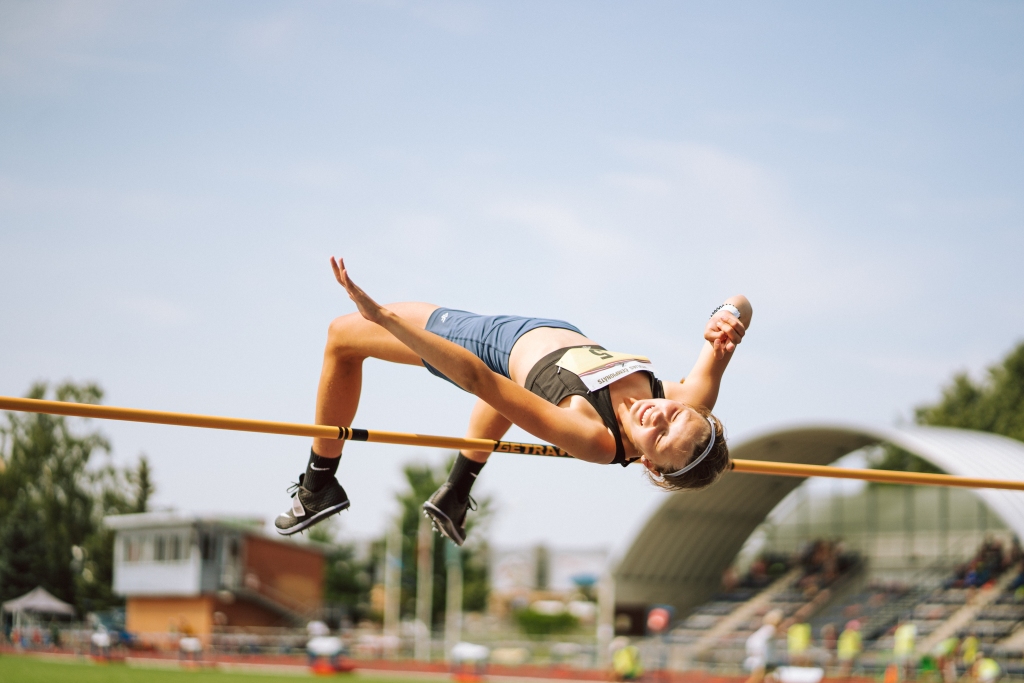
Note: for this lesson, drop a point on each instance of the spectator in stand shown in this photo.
(986, 670)
(626, 663)
(903, 648)
(969, 652)
(798, 643)
(828, 643)
(945, 656)
(1016, 553)
(849, 648)
(759, 647)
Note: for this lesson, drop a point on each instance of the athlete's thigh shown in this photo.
(354, 335)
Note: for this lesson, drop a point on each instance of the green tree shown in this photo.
(894, 458)
(994, 404)
(422, 481)
(347, 578)
(53, 496)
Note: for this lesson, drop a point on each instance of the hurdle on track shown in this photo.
(31, 405)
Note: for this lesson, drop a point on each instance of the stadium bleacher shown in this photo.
(983, 597)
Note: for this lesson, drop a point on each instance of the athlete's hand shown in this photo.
(369, 308)
(724, 331)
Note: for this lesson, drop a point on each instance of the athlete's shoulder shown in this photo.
(674, 391)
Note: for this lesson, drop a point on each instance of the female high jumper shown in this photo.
(544, 375)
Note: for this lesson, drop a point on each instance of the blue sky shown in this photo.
(174, 176)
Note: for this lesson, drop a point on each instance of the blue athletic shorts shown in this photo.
(489, 337)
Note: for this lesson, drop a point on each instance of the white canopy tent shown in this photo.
(37, 602)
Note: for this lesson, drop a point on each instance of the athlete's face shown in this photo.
(666, 432)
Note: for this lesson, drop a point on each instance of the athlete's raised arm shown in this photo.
(584, 439)
(722, 333)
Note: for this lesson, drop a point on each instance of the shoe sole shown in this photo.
(443, 523)
(305, 524)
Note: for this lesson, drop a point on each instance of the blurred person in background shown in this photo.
(945, 657)
(759, 647)
(849, 648)
(798, 644)
(986, 670)
(828, 643)
(903, 648)
(969, 652)
(626, 665)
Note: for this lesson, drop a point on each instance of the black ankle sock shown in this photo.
(463, 475)
(319, 471)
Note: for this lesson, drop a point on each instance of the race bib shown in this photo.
(598, 368)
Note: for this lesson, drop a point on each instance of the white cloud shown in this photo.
(157, 311)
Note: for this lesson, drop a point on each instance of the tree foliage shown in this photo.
(423, 480)
(890, 457)
(538, 624)
(994, 404)
(53, 496)
(350, 578)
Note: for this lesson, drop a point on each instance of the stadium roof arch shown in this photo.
(681, 552)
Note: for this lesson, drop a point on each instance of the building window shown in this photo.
(160, 549)
(206, 547)
(132, 549)
(174, 551)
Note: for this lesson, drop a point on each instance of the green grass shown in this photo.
(18, 669)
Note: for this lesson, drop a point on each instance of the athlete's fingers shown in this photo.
(724, 331)
(730, 331)
(341, 274)
(737, 324)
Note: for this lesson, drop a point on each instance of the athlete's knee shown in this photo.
(342, 336)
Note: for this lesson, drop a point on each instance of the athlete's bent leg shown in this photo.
(447, 507)
(350, 340)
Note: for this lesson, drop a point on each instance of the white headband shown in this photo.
(696, 461)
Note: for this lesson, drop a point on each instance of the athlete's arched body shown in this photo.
(544, 375)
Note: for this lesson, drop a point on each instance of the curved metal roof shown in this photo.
(679, 555)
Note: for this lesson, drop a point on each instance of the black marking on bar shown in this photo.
(359, 434)
(529, 449)
(341, 433)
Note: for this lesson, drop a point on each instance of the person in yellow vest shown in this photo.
(969, 652)
(798, 644)
(903, 648)
(849, 648)
(626, 663)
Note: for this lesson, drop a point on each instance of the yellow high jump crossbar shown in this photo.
(783, 469)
